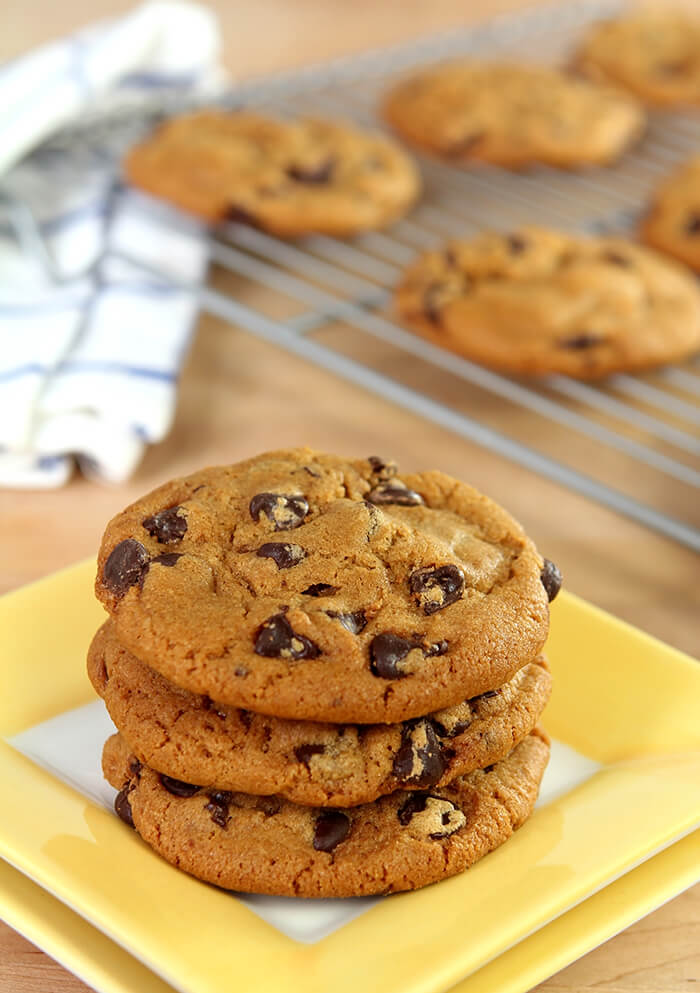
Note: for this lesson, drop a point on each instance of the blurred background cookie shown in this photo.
(512, 115)
(673, 222)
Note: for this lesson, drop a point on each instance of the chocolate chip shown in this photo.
(354, 623)
(270, 805)
(246, 718)
(218, 807)
(449, 726)
(331, 827)
(122, 807)
(134, 766)
(437, 817)
(414, 804)
(320, 589)
(313, 175)
(168, 559)
(284, 511)
(282, 554)
(436, 588)
(692, 224)
(396, 493)
(277, 639)
(465, 145)
(166, 526)
(581, 341)
(551, 579)
(386, 651)
(126, 566)
(489, 768)
(177, 787)
(614, 258)
(304, 753)
(431, 302)
(487, 695)
(381, 467)
(516, 244)
(420, 760)
(436, 648)
(240, 216)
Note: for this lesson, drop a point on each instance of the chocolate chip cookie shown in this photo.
(311, 586)
(268, 845)
(653, 52)
(673, 223)
(538, 301)
(512, 115)
(288, 177)
(190, 738)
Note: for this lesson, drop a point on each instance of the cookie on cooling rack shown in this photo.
(673, 221)
(191, 738)
(512, 115)
(539, 301)
(287, 177)
(259, 844)
(653, 52)
(311, 586)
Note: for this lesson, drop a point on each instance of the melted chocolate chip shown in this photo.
(456, 728)
(354, 623)
(282, 554)
(218, 807)
(692, 224)
(270, 805)
(394, 493)
(283, 510)
(614, 258)
(331, 827)
(304, 753)
(420, 760)
(240, 216)
(313, 175)
(433, 296)
(277, 639)
(465, 145)
(177, 787)
(386, 651)
(168, 559)
(516, 244)
(551, 579)
(320, 589)
(451, 819)
(436, 588)
(581, 341)
(126, 566)
(415, 803)
(122, 807)
(436, 648)
(167, 526)
(381, 468)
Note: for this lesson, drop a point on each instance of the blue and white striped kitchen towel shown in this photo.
(91, 341)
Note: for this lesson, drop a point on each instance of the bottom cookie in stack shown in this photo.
(263, 844)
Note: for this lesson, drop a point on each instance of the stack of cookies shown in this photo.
(326, 677)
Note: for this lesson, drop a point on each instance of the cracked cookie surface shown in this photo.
(267, 845)
(512, 115)
(653, 53)
(541, 301)
(672, 224)
(288, 178)
(387, 597)
(191, 738)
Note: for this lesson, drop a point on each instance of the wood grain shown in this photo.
(239, 395)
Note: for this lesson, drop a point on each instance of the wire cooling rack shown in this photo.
(328, 301)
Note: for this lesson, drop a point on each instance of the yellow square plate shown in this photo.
(621, 699)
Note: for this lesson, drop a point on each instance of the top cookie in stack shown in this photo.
(400, 595)
(300, 633)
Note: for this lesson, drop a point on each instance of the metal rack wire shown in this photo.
(337, 293)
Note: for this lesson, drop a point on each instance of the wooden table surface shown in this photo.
(239, 396)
